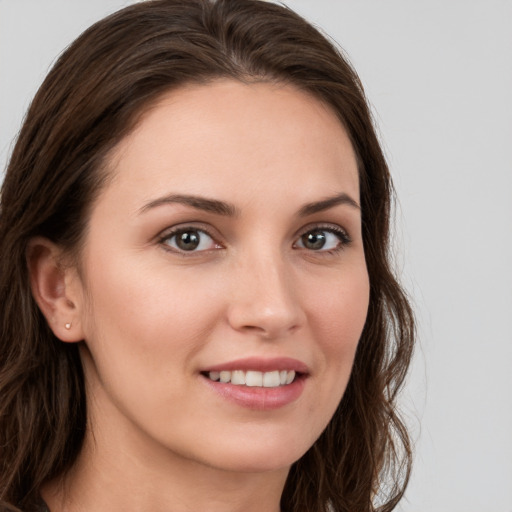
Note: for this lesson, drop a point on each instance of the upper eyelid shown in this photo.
(327, 226)
(192, 226)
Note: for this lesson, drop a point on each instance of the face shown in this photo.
(223, 278)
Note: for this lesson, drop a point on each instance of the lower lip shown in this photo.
(259, 398)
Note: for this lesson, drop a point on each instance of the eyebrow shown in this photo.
(326, 204)
(230, 210)
(197, 202)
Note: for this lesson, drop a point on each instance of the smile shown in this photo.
(256, 383)
(253, 378)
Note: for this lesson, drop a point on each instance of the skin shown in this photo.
(153, 317)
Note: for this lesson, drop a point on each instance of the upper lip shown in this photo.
(260, 364)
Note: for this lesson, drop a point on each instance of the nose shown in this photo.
(264, 299)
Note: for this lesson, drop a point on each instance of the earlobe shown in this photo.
(55, 288)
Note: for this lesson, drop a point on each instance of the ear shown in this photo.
(56, 288)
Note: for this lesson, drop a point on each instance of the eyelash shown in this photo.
(341, 234)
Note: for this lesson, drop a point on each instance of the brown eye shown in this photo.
(314, 240)
(189, 240)
(323, 239)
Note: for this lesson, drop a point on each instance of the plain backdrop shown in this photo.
(438, 74)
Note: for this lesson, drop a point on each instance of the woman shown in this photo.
(198, 310)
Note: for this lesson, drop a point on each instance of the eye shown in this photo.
(323, 239)
(189, 240)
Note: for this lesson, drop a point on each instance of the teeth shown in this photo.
(291, 376)
(271, 379)
(238, 378)
(254, 379)
(215, 375)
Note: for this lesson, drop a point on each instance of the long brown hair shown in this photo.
(90, 100)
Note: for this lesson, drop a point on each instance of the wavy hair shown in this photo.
(89, 101)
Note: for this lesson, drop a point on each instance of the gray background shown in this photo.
(439, 76)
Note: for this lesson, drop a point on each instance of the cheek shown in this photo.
(339, 309)
(143, 315)
(337, 316)
(143, 335)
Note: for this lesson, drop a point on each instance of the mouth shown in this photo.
(256, 383)
(254, 378)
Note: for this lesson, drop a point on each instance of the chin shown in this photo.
(258, 456)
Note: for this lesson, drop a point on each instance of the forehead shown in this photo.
(229, 138)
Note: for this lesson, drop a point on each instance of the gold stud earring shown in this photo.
(68, 326)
